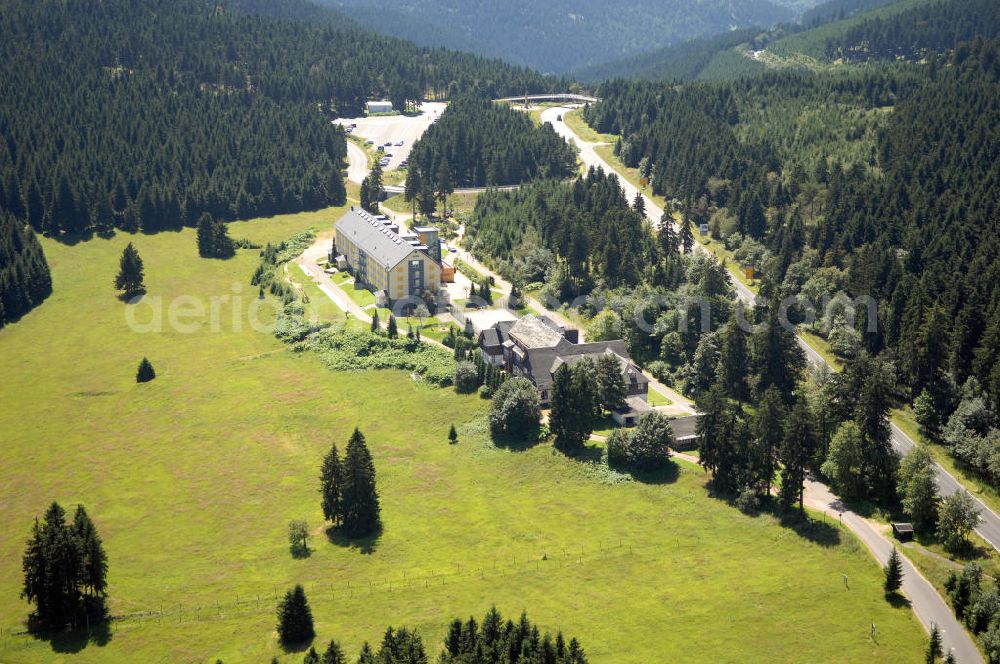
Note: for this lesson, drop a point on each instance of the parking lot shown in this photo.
(382, 129)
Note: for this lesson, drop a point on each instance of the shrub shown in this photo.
(516, 409)
(617, 445)
(466, 377)
(344, 349)
(649, 448)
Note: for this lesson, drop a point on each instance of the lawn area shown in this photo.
(821, 346)
(574, 120)
(193, 478)
(658, 399)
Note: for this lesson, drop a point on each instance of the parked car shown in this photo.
(349, 130)
(381, 148)
(399, 144)
(369, 142)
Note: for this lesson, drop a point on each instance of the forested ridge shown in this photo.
(901, 206)
(144, 115)
(478, 143)
(934, 27)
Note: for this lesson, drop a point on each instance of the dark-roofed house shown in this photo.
(400, 265)
(535, 347)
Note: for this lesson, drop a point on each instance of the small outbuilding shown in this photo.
(903, 531)
(379, 107)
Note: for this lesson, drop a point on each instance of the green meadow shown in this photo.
(193, 478)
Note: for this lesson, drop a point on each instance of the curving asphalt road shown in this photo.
(926, 602)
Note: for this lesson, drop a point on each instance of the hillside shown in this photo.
(725, 55)
(481, 144)
(159, 111)
(564, 35)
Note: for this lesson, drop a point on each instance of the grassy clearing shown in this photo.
(821, 346)
(574, 120)
(193, 478)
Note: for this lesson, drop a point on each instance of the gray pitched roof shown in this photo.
(384, 246)
(544, 361)
(535, 332)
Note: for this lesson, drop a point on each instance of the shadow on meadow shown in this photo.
(69, 641)
(520, 442)
(365, 545)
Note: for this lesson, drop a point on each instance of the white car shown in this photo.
(399, 144)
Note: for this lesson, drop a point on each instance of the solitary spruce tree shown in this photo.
(361, 511)
(130, 272)
(452, 435)
(376, 325)
(391, 327)
(331, 484)
(145, 373)
(893, 572)
(295, 621)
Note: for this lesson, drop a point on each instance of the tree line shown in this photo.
(161, 111)
(929, 28)
(477, 143)
(25, 280)
(490, 641)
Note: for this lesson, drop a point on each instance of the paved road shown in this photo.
(924, 598)
(357, 163)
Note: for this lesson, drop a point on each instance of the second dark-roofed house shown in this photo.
(535, 347)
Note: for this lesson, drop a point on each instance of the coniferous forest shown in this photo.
(24, 272)
(144, 115)
(898, 206)
(478, 143)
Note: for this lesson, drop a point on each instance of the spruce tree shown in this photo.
(569, 421)
(334, 654)
(611, 390)
(206, 235)
(145, 372)
(130, 272)
(376, 325)
(452, 435)
(893, 572)
(64, 567)
(934, 647)
(331, 486)
(94, 562)
(361, 511)
(797, 448)
(295, 621)
(733, 361)
(687, 234)
(391, 329)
